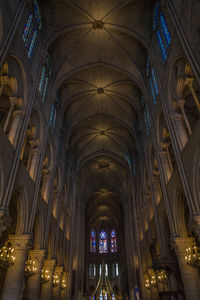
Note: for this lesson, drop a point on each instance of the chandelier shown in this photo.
(30, 269)
(7, 257)
(193, 256)
(161, 275)
(45, 275)
(64, 285)
(153, 277)
(56, 280)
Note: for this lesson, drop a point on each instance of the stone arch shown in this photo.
(165, 145)
(13, 91)
(38, 230)
(46, 172)
(19, 211)
(31, 147)
(181, 214)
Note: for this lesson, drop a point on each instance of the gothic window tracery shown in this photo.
(162, 32)
(103, 242)
(32, 27)
(93, 241)
(44, 79)
(152, 81)
(113, 241)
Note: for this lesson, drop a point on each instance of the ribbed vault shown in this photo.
(99, 52)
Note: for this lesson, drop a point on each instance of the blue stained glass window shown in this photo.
(31, 29)
(113, 241)
(154, 82)
(44, 79)
(162, 32)
(147, 119)
(103, 242)
(165, 30)
(162, 47)
(32, 44)
(93, 241)
(156, 15)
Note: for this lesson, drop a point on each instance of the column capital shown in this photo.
(50, 264)
(37, 254)
(19, 242)
(182, 243)
(58, 269)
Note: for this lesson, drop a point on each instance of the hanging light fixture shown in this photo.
(30, 268)
(7, 257)
(64, 285)
(161, 275)
(45, 275)
(193, 256)
(151, 280)
(56, 280)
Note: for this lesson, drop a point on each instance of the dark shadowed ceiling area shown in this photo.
(99, 53)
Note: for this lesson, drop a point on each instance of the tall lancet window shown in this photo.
(44, 78)
(103, 242)
(113, 241)
(162, 32)
(31, 30)
(93, 241)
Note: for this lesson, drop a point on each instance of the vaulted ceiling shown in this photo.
(99, 51)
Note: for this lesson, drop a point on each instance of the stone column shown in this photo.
(33, 290)
(190, 276)
(46, 289)
(14, 280)
(57, 288)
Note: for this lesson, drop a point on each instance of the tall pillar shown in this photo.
(190, 276)
(46, 289)
(57, 288)
(34, 282)
(14, 280)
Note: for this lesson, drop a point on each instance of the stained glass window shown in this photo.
(156, 15)
(113, 296)
(147, 119)
(93, 241)
(152, 82)
(100, 270)
(106, 270)
(44, 79)
(113, 241)
(31, 30)
(105, 297)
(103, 242)
(162, 32)
(53, 116)
(92, 271)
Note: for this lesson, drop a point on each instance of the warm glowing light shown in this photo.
(30, 268)
(7, 257)
(45, 276)
(193, 256)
